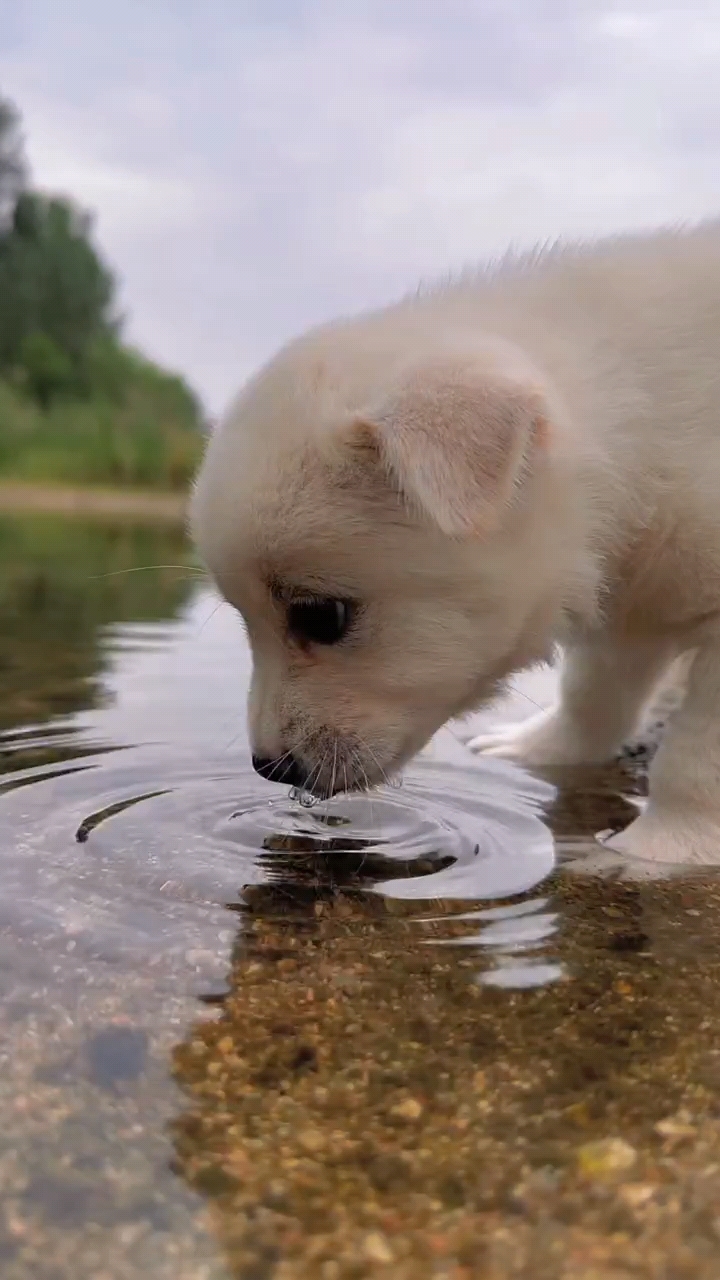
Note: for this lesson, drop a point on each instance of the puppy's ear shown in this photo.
(456, 441)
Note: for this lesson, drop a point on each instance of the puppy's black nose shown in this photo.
(284, 769)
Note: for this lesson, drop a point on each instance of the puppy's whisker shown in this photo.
(148, 568)
(315, 773)
(287, 755)
(292, 750)
(383, 775)
(279, 763)
(369, 792)
(297, 746)
(331, 789)
(229, 745)
(527, 697)
(210, 616)
(367, 788)
(353, 759)
(373, 823)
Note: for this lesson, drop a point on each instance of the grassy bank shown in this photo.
(144, 505)
(144, 434)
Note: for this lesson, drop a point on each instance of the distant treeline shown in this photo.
(76, 403)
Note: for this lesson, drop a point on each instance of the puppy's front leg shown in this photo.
(604, 684)
(681, 823)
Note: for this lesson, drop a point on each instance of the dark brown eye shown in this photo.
(321, 621)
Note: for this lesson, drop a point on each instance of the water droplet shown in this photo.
(304, 798)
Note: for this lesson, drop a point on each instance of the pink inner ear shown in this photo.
(456, 448)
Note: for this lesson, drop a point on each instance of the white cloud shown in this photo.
(256, 167)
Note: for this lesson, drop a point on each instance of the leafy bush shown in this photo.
(76, 404)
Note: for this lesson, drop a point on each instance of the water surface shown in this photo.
(244, 1038)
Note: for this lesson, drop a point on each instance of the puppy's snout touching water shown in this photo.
(284, 769)
(411, 506)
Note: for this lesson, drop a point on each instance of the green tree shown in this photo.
(46, 369)
(52, 281)
(76, 403)
(13, 169)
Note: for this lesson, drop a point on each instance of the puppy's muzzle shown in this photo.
(284, 769)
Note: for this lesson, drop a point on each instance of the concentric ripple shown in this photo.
(131, 830)
(449, 832)
(132, 852)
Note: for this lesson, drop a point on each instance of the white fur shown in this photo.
(525, 458)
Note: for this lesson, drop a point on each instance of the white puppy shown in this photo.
(409, 506)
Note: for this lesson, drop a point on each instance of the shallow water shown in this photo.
(240, 1037)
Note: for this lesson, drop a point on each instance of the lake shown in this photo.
(423, 1033)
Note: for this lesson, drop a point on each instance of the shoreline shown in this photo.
(26, 497)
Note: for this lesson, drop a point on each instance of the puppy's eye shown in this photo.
(319, 621)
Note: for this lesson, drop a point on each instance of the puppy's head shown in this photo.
(379, 520)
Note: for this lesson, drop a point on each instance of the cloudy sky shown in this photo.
(259, 165)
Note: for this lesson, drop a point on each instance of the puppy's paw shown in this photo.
(605, 864)
(544, 740)
(504, 742)
(669, 839)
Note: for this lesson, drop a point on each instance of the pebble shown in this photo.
(605, 1158)
(408, 1109)
(675, 1127)
(636, 1194)
(311, 1140)
(377, 1249)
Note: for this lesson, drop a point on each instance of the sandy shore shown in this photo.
(18, 496)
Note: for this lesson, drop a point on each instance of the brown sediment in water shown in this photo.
(359, 1104)
(66, 500)
(365, 1106)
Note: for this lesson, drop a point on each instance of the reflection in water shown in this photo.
(61, 583)
(365, 1100)
(84, 1037)
(396, 1028)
